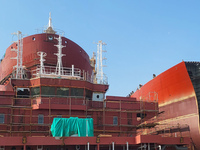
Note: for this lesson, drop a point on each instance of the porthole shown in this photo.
(65, 42)
(50, 38)
(33, 38)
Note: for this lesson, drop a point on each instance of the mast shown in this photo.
(100, 74)
(50, 26)
(18, 68)
(42, 55)
(50, 21)
(59, 67)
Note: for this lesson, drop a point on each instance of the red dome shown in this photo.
(74, 54)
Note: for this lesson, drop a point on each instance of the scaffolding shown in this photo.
(114, 117)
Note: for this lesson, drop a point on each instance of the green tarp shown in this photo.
(65, 127)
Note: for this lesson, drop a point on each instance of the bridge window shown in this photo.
(88, 94)
(35, 91)
(47, 91)
(76, 92)
(62, 91)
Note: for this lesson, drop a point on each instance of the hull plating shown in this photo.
(177, 99)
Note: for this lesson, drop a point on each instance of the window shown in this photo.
(62, 91)
(59, 116)
(115, 120)
(23, 92)
(2, 118)
(141, 116)
(50, 38)
(35, 91)
(47, 91)
(88, 94)
(76, 92)
(40, 119)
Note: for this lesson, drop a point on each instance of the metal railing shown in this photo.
(65, 73)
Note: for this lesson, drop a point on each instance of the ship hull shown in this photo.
(178, 104)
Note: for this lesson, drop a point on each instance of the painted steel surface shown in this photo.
(176, 97)
(75, 55)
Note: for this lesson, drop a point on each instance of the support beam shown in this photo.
(113, 145)
(88, 146)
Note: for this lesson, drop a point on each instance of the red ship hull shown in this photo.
(53, 77)
(177, 99)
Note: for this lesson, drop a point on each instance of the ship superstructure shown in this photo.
(54, 77)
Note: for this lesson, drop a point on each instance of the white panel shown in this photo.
(98, 96)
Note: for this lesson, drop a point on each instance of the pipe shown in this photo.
(72, 70)
(88, 146)
(86, 128)
(127, 145)
(159, 146)
(113, 145)
(148, 146)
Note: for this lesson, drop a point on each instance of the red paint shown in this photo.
(176, 98)
(21, 114)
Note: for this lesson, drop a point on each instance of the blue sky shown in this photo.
(144, 37)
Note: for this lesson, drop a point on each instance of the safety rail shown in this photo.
(51, 71)
(65, 73)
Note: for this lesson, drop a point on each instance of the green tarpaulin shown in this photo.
(64, 127)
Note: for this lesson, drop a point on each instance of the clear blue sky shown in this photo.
(144, 37)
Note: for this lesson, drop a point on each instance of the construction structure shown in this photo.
(67, 86)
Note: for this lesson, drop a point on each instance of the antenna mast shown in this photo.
(19, 71)
(100, 74)
(59, 67)
(50, 26)
(42, 55)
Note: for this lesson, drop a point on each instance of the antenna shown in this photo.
(42, 55)
(100, 74)
(59, 67)
(50, 27)
(50, 20)
(19, 71)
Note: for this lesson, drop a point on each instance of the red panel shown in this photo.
(176, 98)
(171, 85)
(75, 55)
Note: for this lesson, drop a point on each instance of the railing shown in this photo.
(65, 73)
(51, 71)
